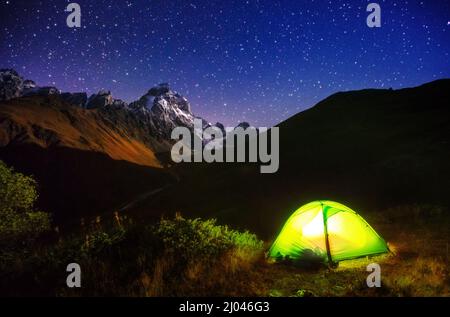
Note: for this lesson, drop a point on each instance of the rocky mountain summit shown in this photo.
(12, 85)
(164, 110)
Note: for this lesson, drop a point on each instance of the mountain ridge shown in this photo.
(160, 108)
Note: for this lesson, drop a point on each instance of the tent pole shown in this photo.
(327, 242)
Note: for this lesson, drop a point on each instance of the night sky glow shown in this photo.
(257, 61)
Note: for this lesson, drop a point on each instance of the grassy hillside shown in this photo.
(48, 121)
(193, 257)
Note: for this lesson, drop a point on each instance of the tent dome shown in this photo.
(327, 230)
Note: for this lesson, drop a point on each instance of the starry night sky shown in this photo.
(257, 61)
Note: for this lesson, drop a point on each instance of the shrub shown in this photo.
(101, 241)
(192, 238)
(19, 222)
(200, 258)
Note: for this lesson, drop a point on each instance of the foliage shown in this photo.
(190, 238)
(101, 241)
(19, 222)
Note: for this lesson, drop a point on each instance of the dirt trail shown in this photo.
(132, 203)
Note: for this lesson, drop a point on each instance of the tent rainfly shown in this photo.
(327, 231)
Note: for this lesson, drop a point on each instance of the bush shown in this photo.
(192, 238)
(200, 258)
(19, 222)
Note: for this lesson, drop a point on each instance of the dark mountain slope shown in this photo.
(73, 183)
(86, 162)
(377, 147)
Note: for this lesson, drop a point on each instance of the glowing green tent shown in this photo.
(328, 231)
